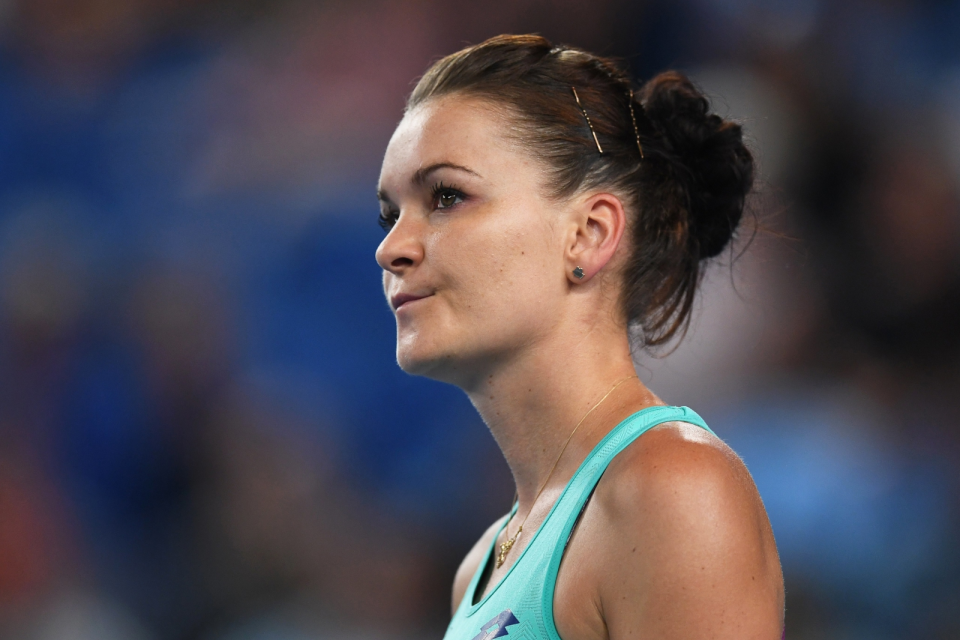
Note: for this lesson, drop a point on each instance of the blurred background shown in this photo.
(203, 431)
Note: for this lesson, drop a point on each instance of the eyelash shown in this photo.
(388, 219)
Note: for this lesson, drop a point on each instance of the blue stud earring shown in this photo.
(579, 273)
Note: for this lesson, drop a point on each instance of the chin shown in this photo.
(417, 361)
(431, 361)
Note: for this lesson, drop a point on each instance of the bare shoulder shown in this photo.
(472, 561)
(680, 458)
(687, 536)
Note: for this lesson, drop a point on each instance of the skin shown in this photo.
(675, 542)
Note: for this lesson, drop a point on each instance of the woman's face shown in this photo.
(474, 262)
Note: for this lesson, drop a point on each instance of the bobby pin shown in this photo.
(587, 118)
(634, 119)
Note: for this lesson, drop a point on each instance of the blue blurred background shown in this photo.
(203, 432)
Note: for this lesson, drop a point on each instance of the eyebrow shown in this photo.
(421, 175)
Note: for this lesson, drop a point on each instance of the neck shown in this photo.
(533, 403)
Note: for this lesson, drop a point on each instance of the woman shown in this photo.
(537, 208)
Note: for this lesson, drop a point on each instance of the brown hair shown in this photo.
(687, 192)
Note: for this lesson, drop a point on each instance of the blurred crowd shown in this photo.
(203, 431)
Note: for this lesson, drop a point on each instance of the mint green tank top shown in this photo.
(521, 604)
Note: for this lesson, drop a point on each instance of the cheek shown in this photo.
(502, 279)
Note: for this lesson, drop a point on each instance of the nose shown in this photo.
(402, 248)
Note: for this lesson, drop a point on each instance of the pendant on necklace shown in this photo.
(506, 546)
(504, 549)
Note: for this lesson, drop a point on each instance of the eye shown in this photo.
(445, 197)
(387, 219)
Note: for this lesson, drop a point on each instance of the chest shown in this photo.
(576, 611)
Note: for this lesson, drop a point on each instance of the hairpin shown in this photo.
(633, 118)
(587, 118)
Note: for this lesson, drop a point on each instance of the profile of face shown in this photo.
(475, 263)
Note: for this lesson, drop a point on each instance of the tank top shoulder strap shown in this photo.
(584, 481)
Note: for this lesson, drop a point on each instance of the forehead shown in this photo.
(454, 129)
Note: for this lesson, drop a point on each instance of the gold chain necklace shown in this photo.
(506, 546)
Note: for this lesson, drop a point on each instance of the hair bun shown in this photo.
(706, 156)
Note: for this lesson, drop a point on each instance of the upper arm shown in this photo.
(471, 562)
(691, 552)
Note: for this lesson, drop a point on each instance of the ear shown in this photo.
(600, 224)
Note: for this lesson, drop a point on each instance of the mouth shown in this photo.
(403, 299)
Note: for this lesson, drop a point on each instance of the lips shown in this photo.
(401, 299)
